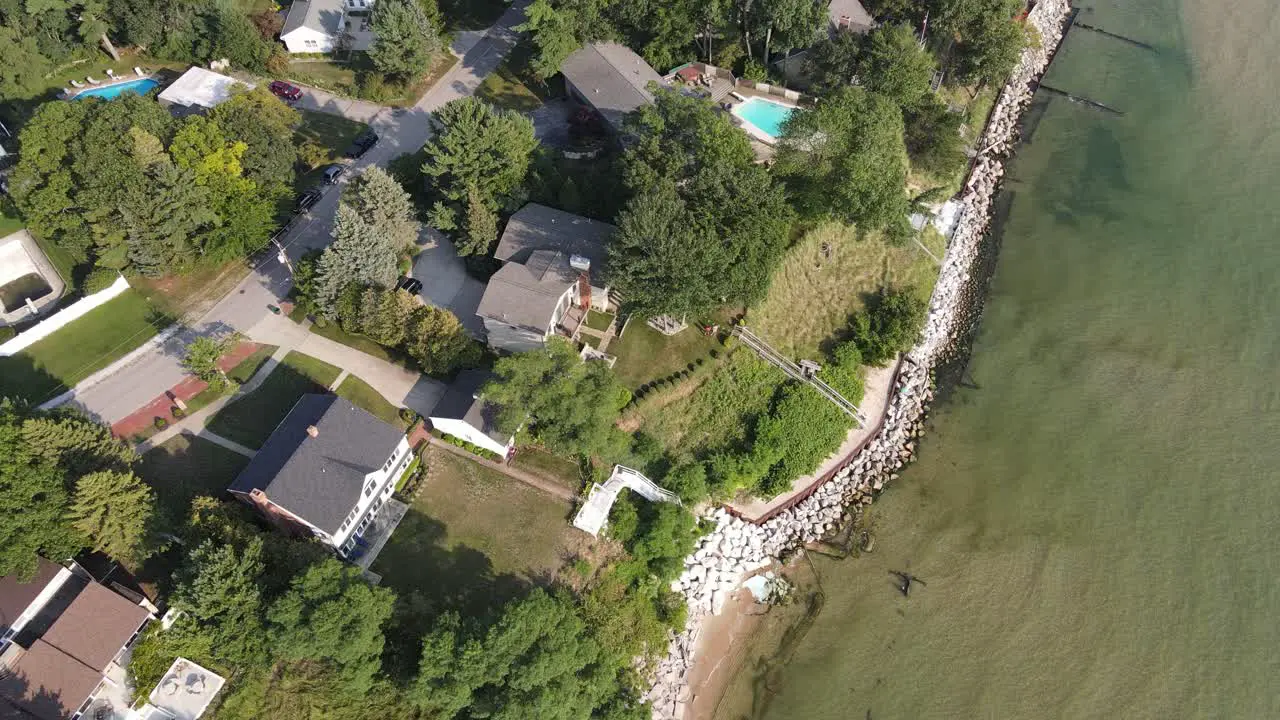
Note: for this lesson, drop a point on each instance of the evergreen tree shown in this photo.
(165, 222)
(33, 503)
(383, 203)
(113, 510)
(76, 444)
(359, 254)
(407, 38)
(219, 588)
(482, 227)
(476, 147)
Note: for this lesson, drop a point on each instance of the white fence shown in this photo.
(60, 319)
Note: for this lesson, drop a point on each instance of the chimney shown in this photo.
(313, 431)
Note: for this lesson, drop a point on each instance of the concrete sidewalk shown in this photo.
(400, 386)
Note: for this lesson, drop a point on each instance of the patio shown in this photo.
(369, 543)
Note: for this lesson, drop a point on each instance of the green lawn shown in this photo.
(475, 538)
(248, 367)
(552, 467)
(361, 394)
(597, 320)
(331, 131)
(10, 223)
(342, 77)
(644, 354)
(192, 293)
(826, 277)
(250, 420)
(80, 349)
(185, 467)
(502, 88)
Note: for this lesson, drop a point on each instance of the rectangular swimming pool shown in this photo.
(765, 116)
(141, 86)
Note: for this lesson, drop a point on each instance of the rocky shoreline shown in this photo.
(737, 548)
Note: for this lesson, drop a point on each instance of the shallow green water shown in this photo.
(1096, 521)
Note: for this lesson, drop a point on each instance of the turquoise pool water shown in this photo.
(141, 86)
(767, 116)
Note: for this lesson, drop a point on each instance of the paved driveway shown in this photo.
(446, 283)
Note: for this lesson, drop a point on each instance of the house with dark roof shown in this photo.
(552, 272)
(464, 414)
(610, 79)
(329, 470)
(321, 26)
(66, 650)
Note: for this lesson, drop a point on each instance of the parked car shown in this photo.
(413, 285)
(362, 145)
(285, 91)
(307, 199)
(332, 173)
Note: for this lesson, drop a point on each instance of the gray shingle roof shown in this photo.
(611, 77)
(526, 294)
(320, 15)
(319, 479)
(461, 403)
(538, 227)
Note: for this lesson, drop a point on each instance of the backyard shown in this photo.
(644, 354)
(102, 336)
(503, 88)
(251, 419)
(557, 469)
(474, 538)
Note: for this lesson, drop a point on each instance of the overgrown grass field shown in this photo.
(827, 276)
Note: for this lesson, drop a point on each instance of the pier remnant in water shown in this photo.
(1082, 100)
(1121, 38)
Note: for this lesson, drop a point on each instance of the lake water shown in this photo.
(1096, 519)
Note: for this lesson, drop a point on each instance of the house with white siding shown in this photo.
(329, 470)
(323, 26)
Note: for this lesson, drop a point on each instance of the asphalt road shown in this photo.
(121, 389)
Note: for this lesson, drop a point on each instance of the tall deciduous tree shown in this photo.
(714, 221)
(407, 38)
(790, 24)
(332, 615)
(265, 125)
(539, 660)
(553, 36)
(202, 355)
(565, 403)
(988, 38)
(437, 340)
(833, 62)
(477, 146)
(894, 65)
(113, 510)
(845, 160)
(384, 316)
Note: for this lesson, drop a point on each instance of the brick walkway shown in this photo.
(162, 405)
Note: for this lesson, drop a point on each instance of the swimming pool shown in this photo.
(141, 86)
(765, 116)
